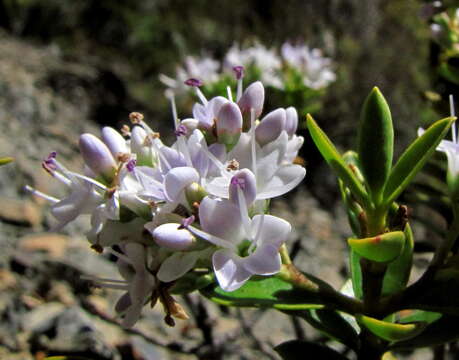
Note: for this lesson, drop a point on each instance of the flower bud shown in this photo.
(114, 141)
(138, 147)
(253, 98)
(229, 124)
(270, 126)
(245, 180)
(97, 156)
(171, 236)
(291, 120)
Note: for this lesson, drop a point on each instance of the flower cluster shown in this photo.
(273, 68)
(201, 202)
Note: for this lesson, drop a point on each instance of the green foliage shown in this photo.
(391, 331)
(414, 158)
(268, 292)
(376, 142)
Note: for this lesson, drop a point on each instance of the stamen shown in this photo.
(230, 94)
(232, 165)
(239, 182)
(196, 83)
(187, 222)
(130, 166)
(171, 96)
(181, 130)
(212, 239)
(252, 141)
(453, 113)
(239, 71)
(40, 194)
(242, 205)
(213, 158)
(90, 180)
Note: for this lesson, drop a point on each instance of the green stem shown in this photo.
(328, 296)
(285, 257)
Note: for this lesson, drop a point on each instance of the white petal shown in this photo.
(177, 265)
(177, 179)
(230, 273)
(274, 230)
(265, 260)
(286, 179)
(221, 218)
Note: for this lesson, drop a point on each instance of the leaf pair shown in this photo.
(383, 183)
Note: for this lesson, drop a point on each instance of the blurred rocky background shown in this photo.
(68, 67)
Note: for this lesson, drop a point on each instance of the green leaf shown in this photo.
(268, 292)
(390, 331)
(356, 274)
(294, 349)
(398, 271)
(6, 160)
(421, 315)
(333, 325)
(376, 142)
(441, 331)
(382, 248)
(334, 159)
(191, 282)
(414, 158)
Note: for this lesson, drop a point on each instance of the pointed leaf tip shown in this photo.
(390, 331)
(414, 158)
(376, 142)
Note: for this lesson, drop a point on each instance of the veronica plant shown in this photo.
(193, 216)
(294, 74)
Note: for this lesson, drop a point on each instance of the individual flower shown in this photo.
(315, 68)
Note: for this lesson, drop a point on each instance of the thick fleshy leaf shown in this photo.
(333, 325)
(382, 248)
(267, 292)
(376, 142)
(334, 159)
(6, 160)
(356, 274)
(390, 331)
(440, 331)
(398, 271)
(292, 349)
(414, 158)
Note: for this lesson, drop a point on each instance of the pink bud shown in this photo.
(291, 120)
(229, 124)
(245, 181)
(270, 126)
(97, 156)
(173, 236)
(114, 141)
(253, 98)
